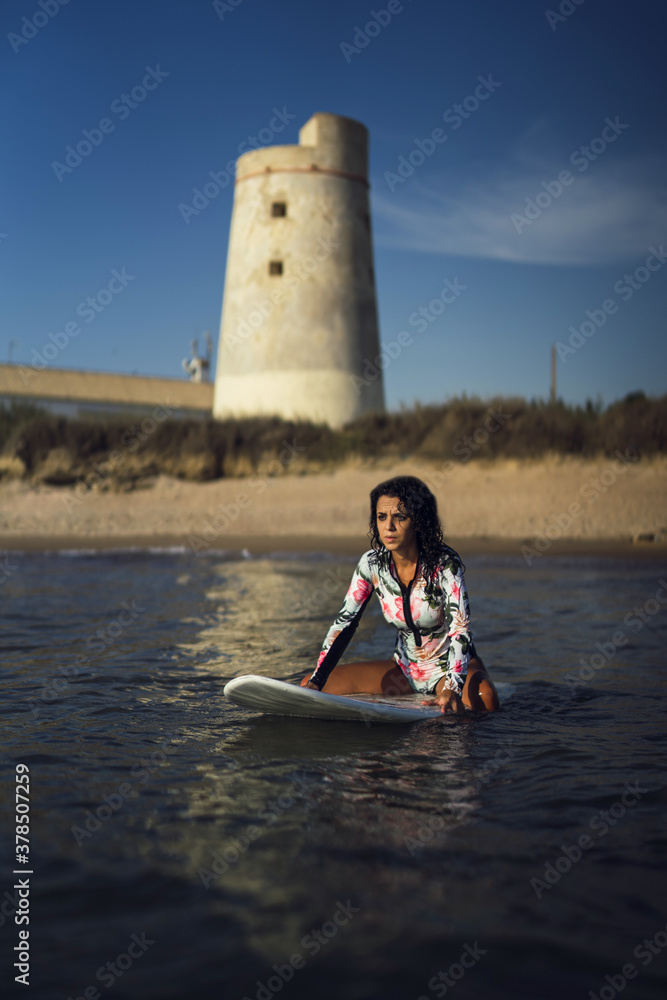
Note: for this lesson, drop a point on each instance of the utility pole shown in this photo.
(554, 395)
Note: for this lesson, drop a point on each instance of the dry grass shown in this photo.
(46, 448)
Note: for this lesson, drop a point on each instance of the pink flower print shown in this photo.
(458, 667)
(416, 602)
(419, 673)
(460, 623)
(395, 614)
(321, 656)
(363, 589)
(456, 591)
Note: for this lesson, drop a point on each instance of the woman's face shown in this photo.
(395, 528)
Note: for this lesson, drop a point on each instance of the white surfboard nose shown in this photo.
(275, 697)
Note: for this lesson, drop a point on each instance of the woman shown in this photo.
(419, 581)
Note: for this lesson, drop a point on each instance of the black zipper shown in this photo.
(407, 613)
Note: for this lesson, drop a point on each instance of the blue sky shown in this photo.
(553, 84)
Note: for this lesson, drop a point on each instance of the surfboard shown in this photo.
(274, 697)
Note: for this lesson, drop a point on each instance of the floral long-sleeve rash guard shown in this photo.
(432, 619)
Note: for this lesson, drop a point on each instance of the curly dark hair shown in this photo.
(419, 504)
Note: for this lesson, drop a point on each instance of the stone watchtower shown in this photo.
(299, 318)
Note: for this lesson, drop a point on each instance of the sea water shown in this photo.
(183, 847)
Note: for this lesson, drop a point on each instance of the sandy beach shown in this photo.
(555, 504)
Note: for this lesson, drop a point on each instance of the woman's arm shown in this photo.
(454, 663)
(457, 615)
(345, 625)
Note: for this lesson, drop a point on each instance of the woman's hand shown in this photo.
(449, 701)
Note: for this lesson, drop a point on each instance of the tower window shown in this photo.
(275, 267)
(279, 209)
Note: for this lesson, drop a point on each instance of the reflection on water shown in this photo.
(375, 853)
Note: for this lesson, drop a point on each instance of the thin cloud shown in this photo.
(610, 213)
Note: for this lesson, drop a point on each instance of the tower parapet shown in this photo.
(299, 318)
